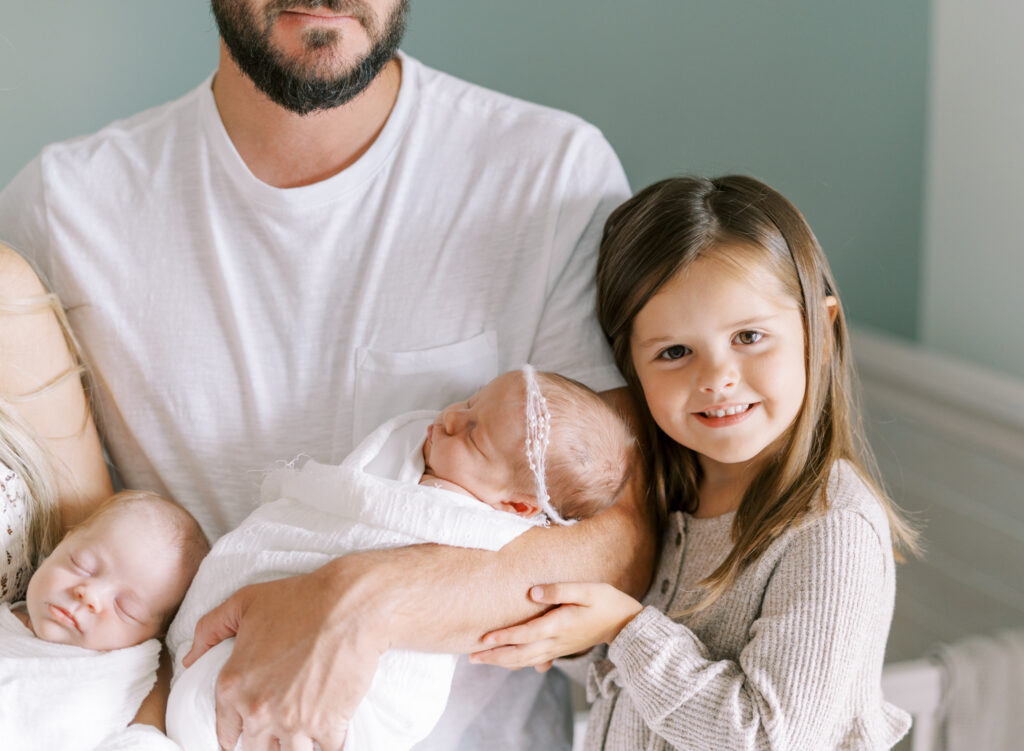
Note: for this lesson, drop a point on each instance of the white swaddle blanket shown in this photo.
(311, 516)
(57, 696)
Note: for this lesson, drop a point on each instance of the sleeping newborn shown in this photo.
(527, 449)
(80, 654)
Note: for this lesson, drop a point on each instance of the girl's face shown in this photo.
(720, 357)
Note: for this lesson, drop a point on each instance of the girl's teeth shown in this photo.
(726, 411)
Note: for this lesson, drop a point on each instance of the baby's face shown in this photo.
(478, 444)
(107, 586)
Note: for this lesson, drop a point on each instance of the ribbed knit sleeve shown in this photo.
(794, 682)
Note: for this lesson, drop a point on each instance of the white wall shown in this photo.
(973, 266)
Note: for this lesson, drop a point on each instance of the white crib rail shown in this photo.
(916, 686)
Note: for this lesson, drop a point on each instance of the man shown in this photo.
(326, 234)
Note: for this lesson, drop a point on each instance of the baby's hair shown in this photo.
(741, 223)
(589, 453)
(184, 531)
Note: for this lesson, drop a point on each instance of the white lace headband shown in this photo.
(538, 435)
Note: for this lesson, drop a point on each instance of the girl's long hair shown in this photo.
(22, 450)
(665, 228)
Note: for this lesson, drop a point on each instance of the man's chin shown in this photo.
(305, 65)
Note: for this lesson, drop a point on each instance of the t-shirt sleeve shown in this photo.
(23, 223)
(569, 340)
(794, 677)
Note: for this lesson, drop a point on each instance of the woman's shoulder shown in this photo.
(18, 280)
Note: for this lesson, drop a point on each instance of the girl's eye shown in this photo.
(674, 352)
(749, 337)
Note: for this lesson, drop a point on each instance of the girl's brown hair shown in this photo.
(663, 229)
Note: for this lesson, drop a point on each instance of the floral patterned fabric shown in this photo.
(14, 514)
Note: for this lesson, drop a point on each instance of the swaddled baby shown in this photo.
(80, 654)
(526, 449)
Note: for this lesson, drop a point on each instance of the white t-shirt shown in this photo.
(230, 324)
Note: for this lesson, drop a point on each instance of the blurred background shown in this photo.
(894, 126)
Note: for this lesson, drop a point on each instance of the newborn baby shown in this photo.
(80, 654)
(527, 449)
(569, 442)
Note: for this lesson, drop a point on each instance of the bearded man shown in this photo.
(322, 235)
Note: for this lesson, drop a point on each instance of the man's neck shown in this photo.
(288, 150)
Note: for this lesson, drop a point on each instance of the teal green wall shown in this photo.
(825, 101)
(68, 68)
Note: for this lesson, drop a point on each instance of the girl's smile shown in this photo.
(719, 351)
(724, 415)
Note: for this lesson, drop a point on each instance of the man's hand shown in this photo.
(301, 662)
(585, 615)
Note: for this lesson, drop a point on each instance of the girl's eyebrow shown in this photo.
(656, 340)
(754, 319)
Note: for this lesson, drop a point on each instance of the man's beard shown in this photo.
(298, 88)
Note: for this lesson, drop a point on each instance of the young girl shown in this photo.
(766, 622)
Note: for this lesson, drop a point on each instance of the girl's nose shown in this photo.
(719, 377)
(87, 597)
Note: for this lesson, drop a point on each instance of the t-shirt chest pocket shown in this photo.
(390, 383)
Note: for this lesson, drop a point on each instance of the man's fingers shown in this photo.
(296, 743)
(229, 726)
(265, 741)
(219, 624)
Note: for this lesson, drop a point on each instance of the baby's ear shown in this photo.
(520, 504)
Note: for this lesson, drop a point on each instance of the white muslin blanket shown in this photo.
(56, 696)
(310, 516)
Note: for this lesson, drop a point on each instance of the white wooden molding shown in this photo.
(970, 404)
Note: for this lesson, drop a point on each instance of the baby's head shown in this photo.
(116, 579)
(579, 448)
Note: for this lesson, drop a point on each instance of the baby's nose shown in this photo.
(87, 597)
(452, 420)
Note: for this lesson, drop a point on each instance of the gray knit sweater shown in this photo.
(789, 658)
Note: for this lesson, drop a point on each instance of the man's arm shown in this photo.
(307, 647)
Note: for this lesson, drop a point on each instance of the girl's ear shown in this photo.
(831, 307)
(520, 504)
